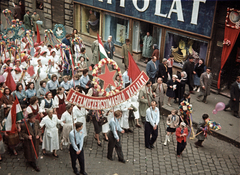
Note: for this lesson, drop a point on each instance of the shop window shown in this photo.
(116, 27)
(39, 4)
(90, 20)
(77, 16)
(181, 46)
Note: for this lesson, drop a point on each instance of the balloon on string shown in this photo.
(219, 107)
(2, 79)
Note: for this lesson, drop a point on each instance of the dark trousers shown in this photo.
(33, 164)
(204, 97)
(152, 80)
(180, 147)
(74, 157)
(113, 143)
(148, 132)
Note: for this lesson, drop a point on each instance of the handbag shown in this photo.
(102, 121)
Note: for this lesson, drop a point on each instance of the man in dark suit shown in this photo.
(163, 70)
(151, 69)
(109, 48)
(32, 125)
(188, 67)
(234, 99)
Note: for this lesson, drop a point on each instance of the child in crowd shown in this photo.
(181, 135)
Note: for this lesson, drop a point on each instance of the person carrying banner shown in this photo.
(32, 125)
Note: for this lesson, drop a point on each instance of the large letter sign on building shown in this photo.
(194, 16)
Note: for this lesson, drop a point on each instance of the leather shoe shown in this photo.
(123, 161)
(151, 146)
(148, 147)
(83, 173)
(99, 144)
(110, 158)
(129, 130)
(139, 126)
(76, 172)
(37, 169)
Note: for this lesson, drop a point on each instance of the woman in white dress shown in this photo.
(125, 107)
(105, 128)
(80, 115)
(67, 123)
(47, 103)
(50, 136)
(135, 103)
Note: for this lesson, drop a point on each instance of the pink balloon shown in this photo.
(219, 107)
(2, 79)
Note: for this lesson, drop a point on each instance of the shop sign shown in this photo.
(97, 103)
(194, 16)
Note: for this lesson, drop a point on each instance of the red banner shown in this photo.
(98, 103)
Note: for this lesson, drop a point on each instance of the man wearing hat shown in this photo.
(32, 125)
(163, 70)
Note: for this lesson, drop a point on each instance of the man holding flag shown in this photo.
(31, 133)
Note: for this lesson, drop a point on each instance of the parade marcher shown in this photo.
(163, 70)
(6, 101)
(80, 115)
(172, 122)
(170, 62)
(147, 47)
(172, 85)
(234, 97)
(127, 47)
(117, 81)
(60, 102)
(27, 20)
(199, 69)
(44, 58)
(66, 40)
(47, 103)
(135, 103)
(151, 125)
(201, 126)
(126, 79)
(31, 133)
(65, 83)
(76, 138)
(67, 123)
(43, 47)
(181, 136)
(188, 67)
(18, 76)
(206, 82)
(96, 115)
(159, 90)
(82, 65)
(109, 48)
(52, 85)
(108, 113)
(151, 69)
(53, 69)
(20, 94)
(114, 137)
(42, 90)
(50, 136)
(34, 108)
(124, 123)
(75, 81)
(145, 98)
(85, 81)
(31, 91)
(95, 52)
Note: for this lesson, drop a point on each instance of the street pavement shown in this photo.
(217, 157)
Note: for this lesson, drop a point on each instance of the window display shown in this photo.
(90, 20)
(116, 27)
(77, 16)
(181, 46)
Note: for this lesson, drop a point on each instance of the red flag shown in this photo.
(133, 70)
(10, 83)
(38, 35)
(1, 94)
(30, 70)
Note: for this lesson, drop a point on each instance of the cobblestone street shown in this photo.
(216, 157)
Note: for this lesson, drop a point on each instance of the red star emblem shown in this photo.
(107, 77)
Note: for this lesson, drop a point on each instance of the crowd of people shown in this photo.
(55, 123)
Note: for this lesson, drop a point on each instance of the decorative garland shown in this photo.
(185, 108)
(97, 69)
(63, 31)
(22, 27)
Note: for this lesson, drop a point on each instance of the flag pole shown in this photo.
(31, 139)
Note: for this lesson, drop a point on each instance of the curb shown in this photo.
(167, 110)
